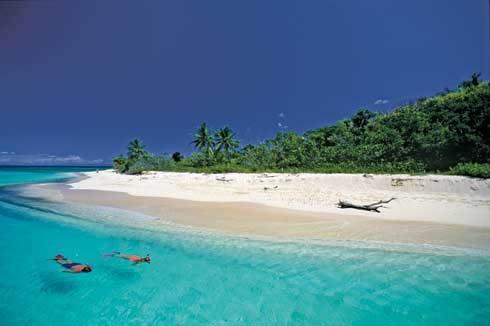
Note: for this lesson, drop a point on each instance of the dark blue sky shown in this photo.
(78, 80)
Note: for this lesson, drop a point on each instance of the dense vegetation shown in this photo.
(448, 132)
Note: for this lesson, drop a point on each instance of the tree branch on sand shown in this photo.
(265, 175)
(270, 188)
(223, 179)
(371, 207)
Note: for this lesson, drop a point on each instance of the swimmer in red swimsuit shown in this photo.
(132, 258)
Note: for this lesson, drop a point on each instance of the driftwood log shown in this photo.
(269, 188)
(374, 207)
(265, 175)
(223, 179)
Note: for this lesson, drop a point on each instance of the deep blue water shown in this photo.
(197, 279)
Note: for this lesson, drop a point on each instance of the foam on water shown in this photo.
(198, 278)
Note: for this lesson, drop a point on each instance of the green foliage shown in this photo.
(120, 164)
(447, 132)
(200, 159)
(136, 150)
(289, 150)
(256, 157)
(224, 141)
(360, 123)
(461, 119)
(203, 140)
(474, 81)
(472, 170)
(150, 163)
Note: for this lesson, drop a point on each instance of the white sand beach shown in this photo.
(430, 198)
(429, 210)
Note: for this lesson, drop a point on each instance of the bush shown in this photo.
(200, 159)
(150, 163)
(120, 164)
(477, 170)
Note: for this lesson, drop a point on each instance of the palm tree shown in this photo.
(136, 149)
(224, 140)
(203, 139)
(474, 81)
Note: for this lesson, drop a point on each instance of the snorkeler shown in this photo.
(133, 258)
(71, 267)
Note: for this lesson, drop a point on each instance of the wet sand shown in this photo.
(251, 219)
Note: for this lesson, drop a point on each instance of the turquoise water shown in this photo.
(20, 175)
(197, 279)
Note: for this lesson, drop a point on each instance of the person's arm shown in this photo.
(113, 254)
(68, 271)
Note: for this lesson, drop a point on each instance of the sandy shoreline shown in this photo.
(436, 210)
(443, 199)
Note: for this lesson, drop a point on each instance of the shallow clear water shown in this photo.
(20, 175)
(203, 279)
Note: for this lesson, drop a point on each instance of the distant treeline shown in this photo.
(449, 132)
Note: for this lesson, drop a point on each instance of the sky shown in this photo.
(79, 80)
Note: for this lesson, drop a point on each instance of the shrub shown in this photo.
(150, 163)
(120, 164)
(477, 170)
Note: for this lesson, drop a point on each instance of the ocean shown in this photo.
(197, 278)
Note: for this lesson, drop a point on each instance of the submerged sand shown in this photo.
(435, 210)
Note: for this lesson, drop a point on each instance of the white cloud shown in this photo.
(281, 125)
(45, 159)
(381, 102)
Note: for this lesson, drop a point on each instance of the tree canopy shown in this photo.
(224, 141)
(203, 140)
(439, 133)
(136, 150)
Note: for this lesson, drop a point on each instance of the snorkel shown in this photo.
(59, 257)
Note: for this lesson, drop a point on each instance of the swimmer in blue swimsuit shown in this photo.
(71, 267)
